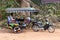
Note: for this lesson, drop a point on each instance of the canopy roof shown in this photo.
(15, 10)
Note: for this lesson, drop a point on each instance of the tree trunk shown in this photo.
(25, 4)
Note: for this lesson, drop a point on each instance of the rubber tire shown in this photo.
(34, 28)
(16, 30)
(52, 28)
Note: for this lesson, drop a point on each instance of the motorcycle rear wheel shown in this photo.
(35, 28)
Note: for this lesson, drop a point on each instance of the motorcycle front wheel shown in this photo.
(16, 30)
(51, 29)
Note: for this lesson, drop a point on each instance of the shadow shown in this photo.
(10, 31)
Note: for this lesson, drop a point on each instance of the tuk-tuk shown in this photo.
(16, 27)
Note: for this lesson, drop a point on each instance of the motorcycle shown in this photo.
(37, 25)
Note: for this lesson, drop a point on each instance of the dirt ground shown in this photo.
(5, 34)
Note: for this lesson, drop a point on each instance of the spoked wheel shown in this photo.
(35, 28)
(17, 29)
(51, 29)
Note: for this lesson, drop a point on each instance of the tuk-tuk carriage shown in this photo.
(17, 27)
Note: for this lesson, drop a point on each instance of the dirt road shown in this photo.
(29, 35)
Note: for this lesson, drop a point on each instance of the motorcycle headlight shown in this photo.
(47, 22)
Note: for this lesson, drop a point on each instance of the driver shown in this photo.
(47, 23)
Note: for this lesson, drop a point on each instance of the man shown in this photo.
(47, 23)
(28, 19)
(10, 20)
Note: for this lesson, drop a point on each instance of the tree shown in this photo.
(6, 4)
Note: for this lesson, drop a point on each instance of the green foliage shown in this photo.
(38, 2)
(14, 3)
(45, 7)
(6, 4)
(58, 12)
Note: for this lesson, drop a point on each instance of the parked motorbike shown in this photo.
(37, 25)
